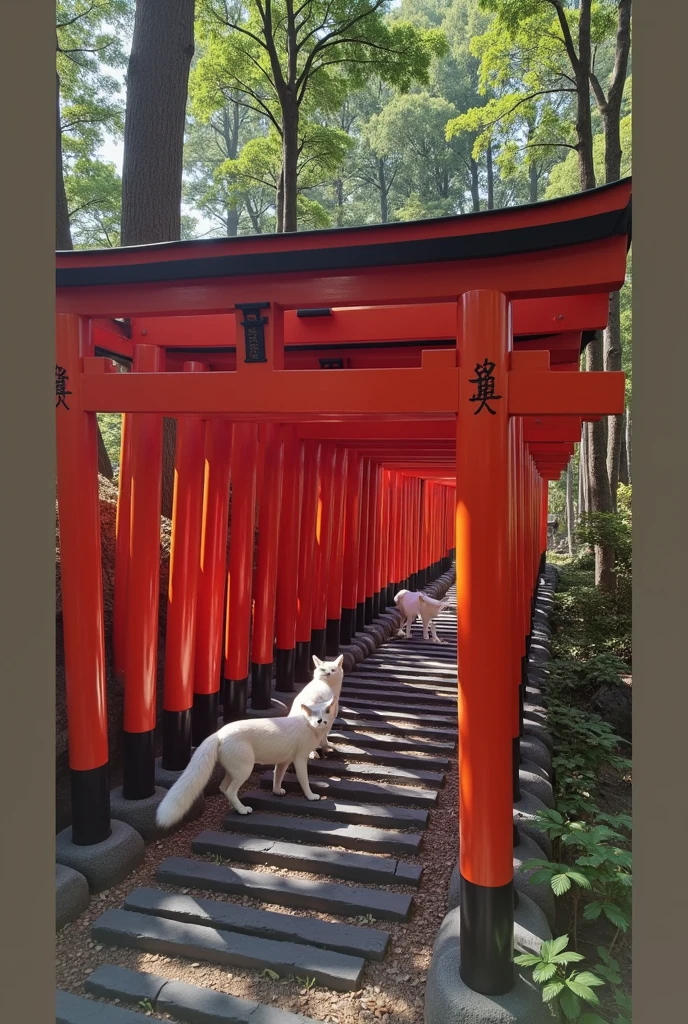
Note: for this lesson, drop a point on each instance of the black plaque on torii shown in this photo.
(254, 333)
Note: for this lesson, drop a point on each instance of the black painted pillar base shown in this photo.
(234, 698)
(368, 611)
(543, 563)
(376, 605)
(261, 687)
(138, 765)
(347, 626)
(332, 637)
(390, 595)
(176, 740)
(515, 762)
(285, 666)
(90, 792)
(319, 643)
(204, 716)
(487, 938)
(360, 616)
(303, 672)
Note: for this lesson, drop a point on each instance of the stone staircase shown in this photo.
(355, 854)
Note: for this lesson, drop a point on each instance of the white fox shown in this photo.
(239, 745)
(414, 603)
(327, 677)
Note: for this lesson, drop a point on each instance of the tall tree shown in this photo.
(289, 59)
(610, 107)
(157, 84)
(87, 107)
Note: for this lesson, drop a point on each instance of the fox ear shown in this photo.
(307, 710)
(316, 661)
(340, 661)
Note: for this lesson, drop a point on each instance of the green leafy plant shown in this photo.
(365, 919)
(272, 975)
(568, 989)
(146, 1005)
(306, 984)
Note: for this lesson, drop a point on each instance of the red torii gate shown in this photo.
(235, 332)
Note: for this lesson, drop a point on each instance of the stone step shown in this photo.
(427, 701)
(368, 943)
(360, 739)
(394, 729)
(387, 713)
(190, 1003)
(326, 766)
(398, 678)
(386, 758)
(370, 791)
(71, 1009)
(384, 702)
(314, 860)
(338, 810)
(395, 683)
(441, 670)
(310, 894)
(324, 833)
(130, 930)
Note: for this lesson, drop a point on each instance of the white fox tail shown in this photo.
(425, 599)
(398, 597)
(182, 795)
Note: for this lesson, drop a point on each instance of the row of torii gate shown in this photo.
(386, 398)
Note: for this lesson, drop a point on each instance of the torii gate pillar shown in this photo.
(484, 623)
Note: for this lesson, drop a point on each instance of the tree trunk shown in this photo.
(475, 186)
(63, 234)
(610, 108)
(279, 202)
(169, 445)
(569, 508)
(157, 81)
(581, 68)
(582, 463)
(104, 464)
(232, 221)
(612, 361)
(382, 185)
(157, 85)
(339, 193)
(230, 130)
(600, 491)
(628, 444)
(63, 240)
(623, 461)
(290, 156)
(490, 178)
(533, 183)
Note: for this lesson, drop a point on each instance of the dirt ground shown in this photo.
(393, 989)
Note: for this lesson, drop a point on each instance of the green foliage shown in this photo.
(590, 869)
(293, 68)
(110, 424)
(89, 47)
(570, 990)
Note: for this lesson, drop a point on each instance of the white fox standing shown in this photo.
(327, 678)
(239, 745)
(413, 603)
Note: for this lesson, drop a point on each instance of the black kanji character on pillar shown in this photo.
(486, 386)
(61, 379)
